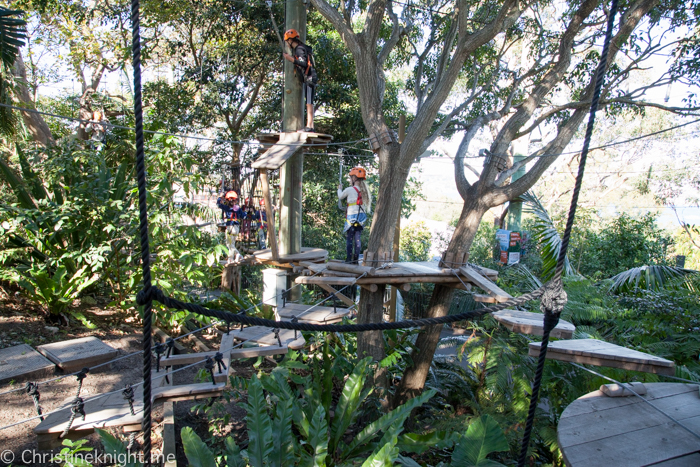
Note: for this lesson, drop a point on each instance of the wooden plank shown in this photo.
(352, 268)
(691, 460)
(162, 337)
(225, 348)
(343, 298)
(169, 455)
(370, 287)
(271, 235)
(525, 322)
(265, 336)
(306, 254)
(75, 354)
(316, 280)
(485, 284)
(188, 392)
(601, 353)
(317, 314)
(484, 298)
(287, 146)
(625, 431)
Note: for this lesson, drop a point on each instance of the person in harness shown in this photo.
(231, 218)
(305, 71)
(359, 205)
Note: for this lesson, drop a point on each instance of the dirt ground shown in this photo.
(21, 322)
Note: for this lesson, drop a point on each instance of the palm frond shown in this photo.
(547, 236)
(12, 35)
(649, 278)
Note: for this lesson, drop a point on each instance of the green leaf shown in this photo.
(233, 454)
(483, 437)
(649, 278)
(198, 454)
(350, 400)
(383, 423)
(412, 442)
(385, 456)
(259, 424)
(318, 439)
(115, 448)
(282, 437)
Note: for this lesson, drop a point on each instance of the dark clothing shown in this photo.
(302, 55)
(353, 241)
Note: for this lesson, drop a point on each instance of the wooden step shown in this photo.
(265, 336)
(248, 352)
(601, 353)
(317, 315)
(526, 322)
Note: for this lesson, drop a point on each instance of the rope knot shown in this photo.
(145, 295)
(128, 394)
(82, 374)
(32, 389)
(219, 357)
(78, 407)
(209, 363)
(553, 300)
(170, 343)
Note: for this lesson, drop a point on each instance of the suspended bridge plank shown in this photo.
(239, 353)
(76, 354)
(601, 353)
(188, 392)
(225, 348)
(625, 431)
(265, 336)
(21, 361)
(288, 145)
(316, 314)
(485, 284)
(313, 140)
(525, 322)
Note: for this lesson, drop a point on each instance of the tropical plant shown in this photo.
(70, 455)
(288, 427)
(12, 38)
(650, 278)
(545, 233)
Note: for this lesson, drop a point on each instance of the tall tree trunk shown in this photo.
(34, 122)
(414, 378)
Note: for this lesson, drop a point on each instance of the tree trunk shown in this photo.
(34, 122)
(414, 378)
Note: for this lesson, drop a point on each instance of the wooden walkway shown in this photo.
(526, 322)
(600, 431)
(313, 314)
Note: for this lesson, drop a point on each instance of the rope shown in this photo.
(78, 408)
(81, 375)
(554, 297)
(143, 230)
(32, 390)
(629, 388)
(128, 393)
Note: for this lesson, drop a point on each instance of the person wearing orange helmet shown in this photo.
(305, 71)
(359, 205)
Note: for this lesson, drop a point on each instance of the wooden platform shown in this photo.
(406, 273)
(316, 315)
(282, 150)
(597, 430)
(21, 362)
(313, 140)
(75, 354)
(525, 322)
(265, 336)
(601, 353)
(306, 254)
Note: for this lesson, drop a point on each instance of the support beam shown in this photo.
(271, 236)
(348, 301)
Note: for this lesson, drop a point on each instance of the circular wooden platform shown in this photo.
(597, 430)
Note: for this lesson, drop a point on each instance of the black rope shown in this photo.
(81, 375)
(219, 358)
(227, 316)
(209, 366)
(277, 336)
(77, 409)
(143, 231)
(170, 343)
(32, 390)
(128, 393)
(160, 350)
(554, 297)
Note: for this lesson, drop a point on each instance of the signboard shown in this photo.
(511, 245)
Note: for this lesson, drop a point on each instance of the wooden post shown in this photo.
(397, 231)
(271, 236)
(231, 278)
(293, 119)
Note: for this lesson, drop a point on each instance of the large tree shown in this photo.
(512, 67)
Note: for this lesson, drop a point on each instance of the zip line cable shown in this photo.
(340, 143)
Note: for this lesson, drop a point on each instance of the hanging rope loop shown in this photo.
(171, 345)
(81, 375)
(32, 389)
(128, 393)
(78, 408)
(160, 350)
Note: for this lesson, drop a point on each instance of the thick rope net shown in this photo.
(552, 293)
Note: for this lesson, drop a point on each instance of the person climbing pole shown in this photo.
(359, 205)
(305, 71)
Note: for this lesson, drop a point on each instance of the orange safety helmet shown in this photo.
(359, 172)
(291, 34)
(231, 195)
(262, 202)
